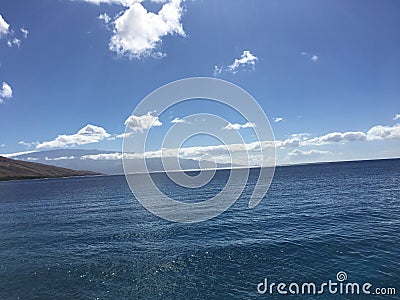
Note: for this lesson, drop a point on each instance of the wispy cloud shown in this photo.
(14, 42)
(246, 62)
(25, 32)
(237, 126)
(313, 57)
(396, 117)
(60, 158)
(6, 92)
(314, 153)
(179, 121)
(106, 18)
(217, 70)
(278, 119)
(28, 144)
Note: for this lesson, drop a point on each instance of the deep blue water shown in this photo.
(88, 238)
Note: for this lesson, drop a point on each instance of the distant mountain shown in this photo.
(17, 169)
(106, 162)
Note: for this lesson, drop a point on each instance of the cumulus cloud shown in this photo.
(377, 132)
(278, 119)
(179, 121)
(236, 126)
(86, 135)
(336, 137)
(246, 59)
(4, 26)
(138, 33)
(384, 132)
(140, 123)
(6, 92)
(396, 117)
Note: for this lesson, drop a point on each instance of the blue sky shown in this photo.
(320, 67)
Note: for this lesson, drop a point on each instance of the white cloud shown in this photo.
(14, 42)
(313, 57)
(298, 152)
(86, 135)
(288, 143)
(378, 132)
(6, 92)
(375, 133)
(5, 30)
(4, 26)
(179, 121)
(32, 158)
(60, 158)
(11, 155)
(236, 126)
(103, 156)
(25, 32)
(252, 150)
(2, 145)
(138, 33)
(384, 132)
(106, 18)
(396, 117)
(278, 119)
(246, 59)
(336, 137)
(27, 144)
(140, 123)
(217, 70)
(302, 136)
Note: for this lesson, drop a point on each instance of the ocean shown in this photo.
(89, 238)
